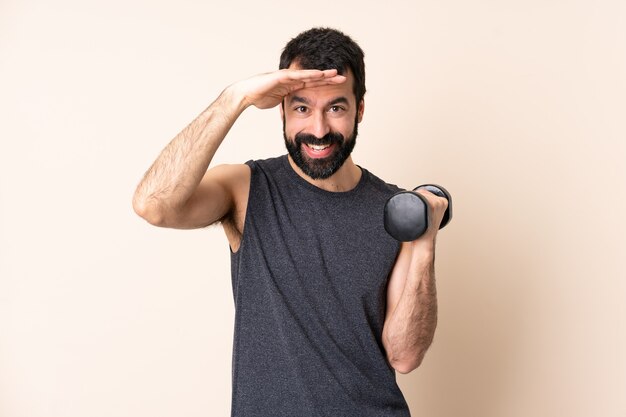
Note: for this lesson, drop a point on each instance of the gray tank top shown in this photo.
(309, 282)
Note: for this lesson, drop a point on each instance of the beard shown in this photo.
(320, 168)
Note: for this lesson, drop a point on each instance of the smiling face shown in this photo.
(320, 127)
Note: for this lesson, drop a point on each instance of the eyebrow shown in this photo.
(298, 99)
(304, 100)
(339, 100)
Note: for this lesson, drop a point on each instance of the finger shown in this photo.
(433, 199)
(301, 75)
(337, 79)
(329, 73)
(309, 75)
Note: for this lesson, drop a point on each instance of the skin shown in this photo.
(180, 191)
(318, 111)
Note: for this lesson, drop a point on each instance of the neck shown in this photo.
(345, 179)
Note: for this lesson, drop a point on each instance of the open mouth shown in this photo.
(318, 151)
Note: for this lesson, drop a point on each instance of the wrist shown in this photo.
(424, 248)
(233, 97)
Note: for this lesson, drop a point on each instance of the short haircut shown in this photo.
(326, 48)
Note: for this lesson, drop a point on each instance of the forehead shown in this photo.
(328, 92)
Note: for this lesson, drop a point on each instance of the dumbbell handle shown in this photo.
(406, 215)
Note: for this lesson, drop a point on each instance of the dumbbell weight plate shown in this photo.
(406, 216)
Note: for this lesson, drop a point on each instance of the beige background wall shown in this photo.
(517, 107)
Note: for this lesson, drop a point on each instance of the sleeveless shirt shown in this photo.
(309, 284)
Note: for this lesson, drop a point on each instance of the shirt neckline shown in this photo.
(304, 183)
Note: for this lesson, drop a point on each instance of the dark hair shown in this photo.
(326, 48)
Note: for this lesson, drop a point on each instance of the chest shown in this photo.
(325, 244)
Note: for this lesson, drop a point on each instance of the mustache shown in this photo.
(327, 139)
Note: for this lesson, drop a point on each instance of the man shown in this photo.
(327, 305)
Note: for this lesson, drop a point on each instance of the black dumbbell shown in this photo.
(406, 213)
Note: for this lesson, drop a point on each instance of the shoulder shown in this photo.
(267, 165)
(230, 176)
(269, 171)
(245, 182)
(379, 185)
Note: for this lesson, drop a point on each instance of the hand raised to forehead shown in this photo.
(268, 90)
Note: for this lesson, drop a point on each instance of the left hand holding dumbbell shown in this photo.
(437, 207)
(418, 214)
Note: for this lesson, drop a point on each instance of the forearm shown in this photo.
(178, 170)
(410, 326)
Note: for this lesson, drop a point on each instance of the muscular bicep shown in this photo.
(222, 192)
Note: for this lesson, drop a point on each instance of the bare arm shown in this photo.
(177, 191)
(163, 196)
(411, 316)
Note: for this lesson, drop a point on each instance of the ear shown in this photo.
(361, 110)
(282, 109)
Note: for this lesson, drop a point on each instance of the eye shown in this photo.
(301, 109)
(336, 109)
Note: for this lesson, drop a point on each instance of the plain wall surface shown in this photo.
(517, 107)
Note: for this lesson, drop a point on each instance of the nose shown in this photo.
(319, 125)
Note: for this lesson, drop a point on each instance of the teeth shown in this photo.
(318, 147)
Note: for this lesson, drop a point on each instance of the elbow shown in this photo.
(149, 212)
(402, 357)
(407, 365)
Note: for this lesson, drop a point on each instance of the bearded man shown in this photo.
(327, 305)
